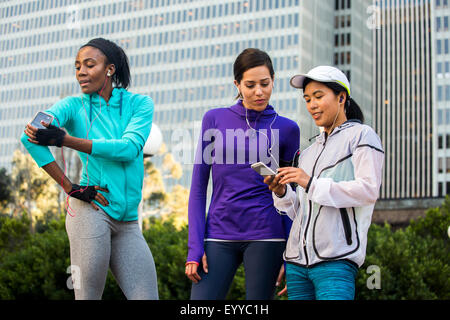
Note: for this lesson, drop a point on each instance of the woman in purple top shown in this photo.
(242, 224)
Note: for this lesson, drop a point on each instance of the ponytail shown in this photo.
(352, 109)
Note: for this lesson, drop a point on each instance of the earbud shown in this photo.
(340, 100)
(109, 73)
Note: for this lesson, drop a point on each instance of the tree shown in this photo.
(5, 188)
(156, 200)
(34, 191)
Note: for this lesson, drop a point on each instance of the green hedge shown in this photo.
(414, 262)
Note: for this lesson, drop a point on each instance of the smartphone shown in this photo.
(41, 116)
(262, 169)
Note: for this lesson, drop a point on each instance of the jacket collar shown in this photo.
(114, 100)
(321, 138)
(252, 115)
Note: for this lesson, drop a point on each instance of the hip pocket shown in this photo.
(84, 221)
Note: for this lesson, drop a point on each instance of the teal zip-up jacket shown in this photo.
(119, 132)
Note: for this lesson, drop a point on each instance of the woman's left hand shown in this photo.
(291, 174)
(31, 131)
(52, 136)
(280, 280)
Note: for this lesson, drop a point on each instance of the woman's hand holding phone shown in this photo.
(274, 184)
(284, 176)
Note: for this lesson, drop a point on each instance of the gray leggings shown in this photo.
(98, 242)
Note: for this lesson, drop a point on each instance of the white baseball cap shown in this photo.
(322, 74)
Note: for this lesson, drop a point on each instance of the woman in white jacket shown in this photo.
(339, 178)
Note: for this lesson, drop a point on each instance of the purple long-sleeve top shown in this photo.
(241, 206)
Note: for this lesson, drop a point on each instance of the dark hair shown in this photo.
(352, 109)
(114, 55)
(251, 58)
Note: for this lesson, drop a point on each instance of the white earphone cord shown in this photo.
(270, 151)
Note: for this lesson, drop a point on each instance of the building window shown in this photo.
(440, 193)
(447, 141)
(440, 142)
(440, 116)
(440, 165)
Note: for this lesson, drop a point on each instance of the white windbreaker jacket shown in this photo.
(332, 215)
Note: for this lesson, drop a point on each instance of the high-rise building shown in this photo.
(181, 54)
(336, 33)
(403, 103)
(442, 89)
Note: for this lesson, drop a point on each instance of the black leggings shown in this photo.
(262, 263)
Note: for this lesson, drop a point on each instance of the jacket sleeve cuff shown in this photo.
(99, 147)
(308, 186)
(284, 194)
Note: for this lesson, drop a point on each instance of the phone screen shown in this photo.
(41, 116)
(263, 169)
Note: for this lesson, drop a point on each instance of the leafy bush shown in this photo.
(13, 233)
(169, 250)
(37, 270)
(414, 262)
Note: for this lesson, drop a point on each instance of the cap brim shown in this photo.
(297, 81)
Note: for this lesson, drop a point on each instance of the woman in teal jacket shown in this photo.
(108, 126)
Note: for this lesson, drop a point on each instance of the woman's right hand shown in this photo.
(191, 269)
(88, 194)
(274, 185)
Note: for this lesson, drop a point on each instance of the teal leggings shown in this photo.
(333, 280)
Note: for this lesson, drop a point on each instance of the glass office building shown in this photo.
(181, 54)
(442, 89)
(404, 103)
